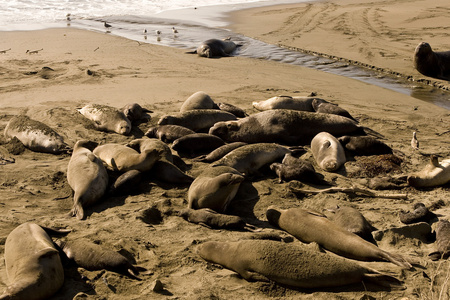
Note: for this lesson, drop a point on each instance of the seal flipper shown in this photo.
(77, 210)
(384, 280)
(253, 276)
(396, 259)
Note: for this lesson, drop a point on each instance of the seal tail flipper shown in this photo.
(371, 132)
(77, 211)
(56, 232)
(252, 228)
(384, 280)
(397, 259)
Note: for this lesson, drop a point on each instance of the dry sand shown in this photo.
(35, 189)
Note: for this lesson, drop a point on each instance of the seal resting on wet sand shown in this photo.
(285, 126)
(86, 176)
(289, 264)
(328, 152)
(430, 63)
(33, 264)
(216, 48)
(197, 119)
(309, 226)
(107, 118)
(35, 135)
(442, 241)
(433, 174)
(214, 188)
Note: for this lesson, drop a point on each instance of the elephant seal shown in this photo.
(198, 100)
(289, 264)
(322, 106)
(292, 168)
(353, 221)
(214, 188)
(284, 126)
(93, 257)
(328, 152)
(197, 119)
(216, 48)
(107, 118)
(430, 63)
(211, 219)
(364, 145)
(136, 113)
(33, 264)
(87, 177)
(35, 135)
(419, 214)
(168, 133)
(249, 158)
(237, 111)
(442, 241)
(122, 158)
(126, 183)
(285, 102)
(309, 226)
(197, 142)
(147, 144)
(433, 174)
(220, 152)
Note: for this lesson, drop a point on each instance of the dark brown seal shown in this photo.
(211, 219)
(220, 152)
(93, 257)
(442, 240)
(168, 133)
(237, 111)
(197, 119)
(197, 143)
(126, 183)
(292, 168)
(364, 145)
(419, 214)
(309, 226)
(216, 48)
(322, 106)
(290, 264)
(136, 113)
(430, 63)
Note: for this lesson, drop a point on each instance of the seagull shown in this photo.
(174, 30)
(145, 31)
(68, 17)
(158, 32)
(107, 25)
(414, 142)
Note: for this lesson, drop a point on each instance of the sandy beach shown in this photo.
(76, 67)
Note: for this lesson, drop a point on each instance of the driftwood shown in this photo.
(351, 190)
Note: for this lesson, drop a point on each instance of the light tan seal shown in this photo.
(328, 152)
(286, 102)
(121, 158)
(107, 118)
(442, 231)
(198, 100)
(431, 63)
(197, 119)
(290, 264)
(214, 188)
(309, 226)
(86, 176)
(136, 113)
(33, 264)
(433, 174)
(168, 133)
(35, 135)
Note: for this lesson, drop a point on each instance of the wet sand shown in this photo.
(90, 67)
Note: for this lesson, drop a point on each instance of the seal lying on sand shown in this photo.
(352, 220)
(328, 152)
(33, 264)
(430, 63)
(289, 264)
(35, 135)
(94, 257)
(197, 119)
(419, 214)
(198, 100)
(122, 158)
(136, 113)
(309, 226)
(216, 48)
(211, 219)
(220, 152)
(442, 240)
(433, 174)
(237, 111)
(284, 126)
(168, 133)
(197, 143)
(322, 106)
(249, 158)
(214, 188)
(286, 102)
(292, 168)
(86, 176)
(364, 145)
(107, 118)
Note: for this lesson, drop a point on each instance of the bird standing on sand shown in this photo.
(107, 25)
(144, 31)
(174, 30)
(414, 142)
(158, 32)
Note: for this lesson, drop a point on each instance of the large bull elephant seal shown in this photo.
(87, 177)
(216, 48)
(430, 63)
(290, 264)
(35, 135)
(309, 226)
(107, 118)
(433, 174)
(33, 264)
(214, 188)
(284, 126)
(328, 152)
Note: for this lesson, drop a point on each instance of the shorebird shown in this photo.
(144, 31)
(158, 32)
(4, 51)
(414, 142)
(174, 30)
(34, 51)
(106, 24)
(68, 17)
